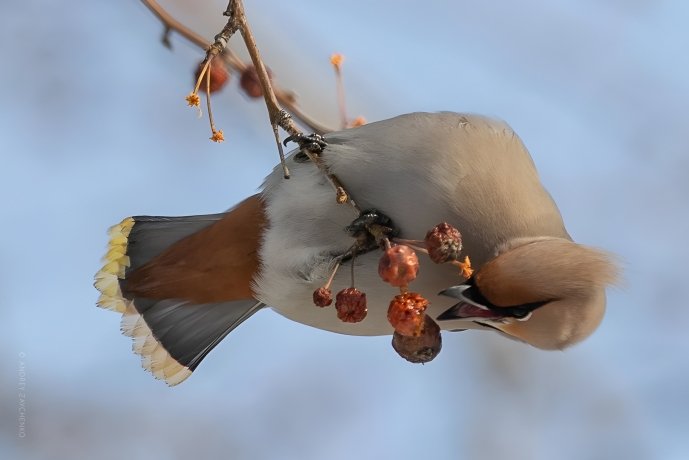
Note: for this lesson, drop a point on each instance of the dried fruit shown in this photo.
(219, 75)
(351, 305)
(406, 313)
(421, 349)
(322, 297)
(398, 265)
(444, 242)
(250, 82)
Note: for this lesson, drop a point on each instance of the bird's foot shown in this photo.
(314, 143)
(371, 230)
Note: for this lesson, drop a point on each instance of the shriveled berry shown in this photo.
(444, 242)
(351, 305)
(406, 313)
(250, 82)
(322, 297)
(219, 75)
(398, 265)
(423, 348)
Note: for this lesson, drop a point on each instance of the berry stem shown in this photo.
(332, 275)
(352, 264)
(207, 70)
(202, 74)
(417, 243)
(411, 244)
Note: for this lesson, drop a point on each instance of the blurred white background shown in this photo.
(94, 127)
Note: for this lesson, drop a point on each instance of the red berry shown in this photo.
(219, 76)
(351, 305)
(421, 349)
(322, 297)
(250, 82)
(444, 242)
(398, 265)
(406, 313)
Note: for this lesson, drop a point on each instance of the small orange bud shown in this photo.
(465, 269)
(341, 196)
(358, 121)
(217, 136)
(336, 60)
(193, 100)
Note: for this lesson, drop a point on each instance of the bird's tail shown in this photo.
(171, 278)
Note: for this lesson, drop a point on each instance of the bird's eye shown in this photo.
(521, 311)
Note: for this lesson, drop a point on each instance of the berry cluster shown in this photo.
(218, 76)
(350, 303)
(417, 336)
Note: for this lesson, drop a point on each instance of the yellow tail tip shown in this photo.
(115, 262)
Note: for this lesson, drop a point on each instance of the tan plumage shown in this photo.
(570, 277)
(185, 283)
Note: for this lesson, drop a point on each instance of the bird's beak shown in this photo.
(466, 309)
(472, 306)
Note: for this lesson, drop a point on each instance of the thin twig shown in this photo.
(341, 194)
(285, 97)
(278, 117)
(336, 61)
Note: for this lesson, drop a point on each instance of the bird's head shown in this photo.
(549, 293)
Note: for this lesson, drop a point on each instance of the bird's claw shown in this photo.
(314, 143)
(371, 229)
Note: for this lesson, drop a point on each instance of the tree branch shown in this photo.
(237, 21)
(286, 98)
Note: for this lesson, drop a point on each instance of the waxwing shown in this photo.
(183, 283)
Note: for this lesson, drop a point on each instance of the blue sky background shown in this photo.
(93, 128)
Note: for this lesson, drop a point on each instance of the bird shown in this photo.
(182, 284)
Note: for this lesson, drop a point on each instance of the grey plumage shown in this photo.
(187, 331)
